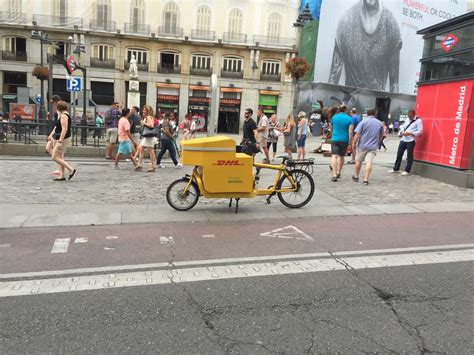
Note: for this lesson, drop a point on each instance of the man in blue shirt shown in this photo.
(355, 122)
(342, 129)
(412, 128)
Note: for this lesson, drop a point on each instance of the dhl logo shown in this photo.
(228, 163)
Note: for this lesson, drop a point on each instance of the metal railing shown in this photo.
(274, 41)
(15, 56)
(58, 21)
(13, 17)
(140, 66)
(203, 35)
(232, 74)
(200, 72)
(99, 63)
(234, 37)
(167, 31)
(109, 26)
(169, 68)
(270, 77)
(137, 28)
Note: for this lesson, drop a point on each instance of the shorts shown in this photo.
(263, 141)
(361, 155)
(111, 135)
(125, 148)
(302, 141)
(59, 148)
(149, 142)
(339, 148)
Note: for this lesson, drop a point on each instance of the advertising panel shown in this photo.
(25, 111)
(447, 128)
(373, 44)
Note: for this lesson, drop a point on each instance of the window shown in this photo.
(14, 6)
(140, 55)
(235, 21)
(102, 92)
(170, 17)
(271, 67)
(169, 59)
(60, 8)
(14, 44)
(464, 39)
(103, 13)
(103, 52)
(232, 64)
(201, 61)
(204, 18)
(137, 13)
(448, 67)
(63, 49)
(274, 23)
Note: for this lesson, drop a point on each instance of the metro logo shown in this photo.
(228, 163)
(449, 42)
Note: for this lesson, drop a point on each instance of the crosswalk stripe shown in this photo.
(61, 245)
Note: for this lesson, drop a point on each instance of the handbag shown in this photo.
(148, 132)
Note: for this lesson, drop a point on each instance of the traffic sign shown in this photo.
(73, 83)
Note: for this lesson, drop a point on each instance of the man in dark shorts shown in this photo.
(342, 129)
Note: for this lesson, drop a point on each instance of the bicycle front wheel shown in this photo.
(178, 198)
(302, 194)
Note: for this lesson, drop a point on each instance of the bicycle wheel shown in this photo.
(180, 200)
(304, 189)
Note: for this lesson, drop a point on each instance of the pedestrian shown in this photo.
(289, 134)
(125, 139)
(273, 134)
(385, 130)
(112, 117)
(167, 142)
(396, 126)
(185, 125)
(249, 141)
(368, 134)
(134, 119)
(301, 133)
(147, 142)
(50, 142)
(341, 130)
(390, 128)
(62, 136)
(262, 131)
(355, 121)
(193, 128)
(411, 129)
(99, 121)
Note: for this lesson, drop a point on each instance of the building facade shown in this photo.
(177, 44)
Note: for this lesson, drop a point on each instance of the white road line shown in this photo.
(288, 232)
(111, 237)
(190, 274)
(61, 245)
(208, 236)
(166, 240)
(5, 245)
(80, 240)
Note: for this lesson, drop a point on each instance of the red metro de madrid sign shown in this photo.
(449, 42)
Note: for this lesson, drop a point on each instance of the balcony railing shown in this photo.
(203, 35)
(167, 31)
(234, 37)
(99, 63)
(200, 72)
(13, 17)
(140, 67)
(270, 77)
(15, 56)
(274, 41)
(232, 74)
(58, 21)
(109, 26)
(137, 28)
(169, 68)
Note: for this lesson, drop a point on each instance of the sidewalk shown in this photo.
(102, 195)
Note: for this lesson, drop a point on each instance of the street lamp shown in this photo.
(43, 38)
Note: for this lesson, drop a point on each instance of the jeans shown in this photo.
(409, 147)
(167, 144)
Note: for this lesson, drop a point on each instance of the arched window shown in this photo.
(203, 18)
(274, 26)
(137, 13)
(235, 21)
(171, 18)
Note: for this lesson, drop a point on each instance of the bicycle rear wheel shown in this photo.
(304, 189)
(180, 200)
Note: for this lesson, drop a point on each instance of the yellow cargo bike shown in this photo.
(220, 172)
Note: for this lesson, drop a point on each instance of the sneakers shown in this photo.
(179, 165)
(393, 171)
(334, 179)
(351, 162)
(161, 166)
(405, 173)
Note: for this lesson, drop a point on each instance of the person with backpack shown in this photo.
(167, 142)
(112, 117)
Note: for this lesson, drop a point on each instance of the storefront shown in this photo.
(268, 102)
(167, 99)
(11, 82)
(229, 110)
(198, 106)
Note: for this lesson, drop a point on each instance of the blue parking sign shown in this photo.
(73, 83)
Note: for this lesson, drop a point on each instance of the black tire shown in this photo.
(304, 191)
(175, 190)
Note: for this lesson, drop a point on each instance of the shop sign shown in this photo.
(9, 97)
(449, 42)
(25, 111)
(198, 108)
(315, 106)
(173, 98)
(268, 100)
(199, 100)
(230, 102)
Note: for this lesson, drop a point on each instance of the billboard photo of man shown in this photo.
(367, 47)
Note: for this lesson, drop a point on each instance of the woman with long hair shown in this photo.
(302, 132)
(273, 134)
(289, 132)
(167, 142)
(147, 142)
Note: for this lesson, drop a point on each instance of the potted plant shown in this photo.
(297, 68)
(40, 73)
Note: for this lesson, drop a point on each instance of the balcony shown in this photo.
(14, 56)
(203, 35)
(108, 26)
(270, 77)
(137, 28)
(100, 63)
(13, 17)
(140, 66)
(200, 72)
(234, 37)
(58, 21)
(164, 68)
(170, 31)
(274, 41)
(232, 74)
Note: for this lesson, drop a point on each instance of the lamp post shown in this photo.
(78, 42)
(43, 38)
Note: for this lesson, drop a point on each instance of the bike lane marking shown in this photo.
(61, 245)
(288, 232)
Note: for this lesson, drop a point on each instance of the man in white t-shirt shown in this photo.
(262, 129)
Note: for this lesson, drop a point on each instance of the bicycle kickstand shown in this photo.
(230, 203)
(237, 205)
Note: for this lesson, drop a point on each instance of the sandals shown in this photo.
(59, 179)
(355, 178)
(366, 183)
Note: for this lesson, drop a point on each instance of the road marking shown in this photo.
(80, 240)
(107, 248)
(5, 245)
(288, 232)
(61, 245)
(166, 240)
(208, 236)
(205, 272)
(111, 237)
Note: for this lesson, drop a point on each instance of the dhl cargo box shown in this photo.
(205, 151)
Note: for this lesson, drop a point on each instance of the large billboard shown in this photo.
(373, 44)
